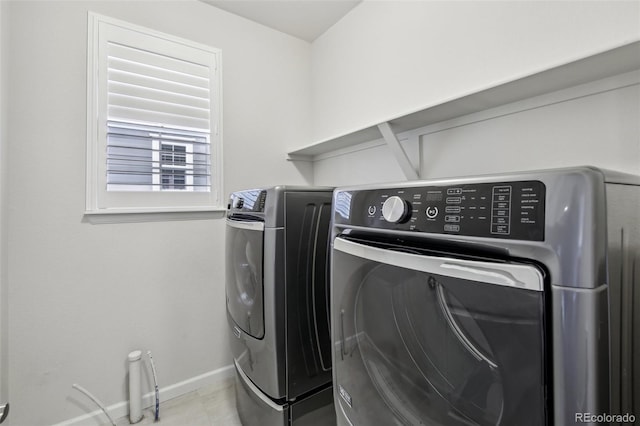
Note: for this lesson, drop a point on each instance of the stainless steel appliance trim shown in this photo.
(313, 295)
(253, 226)
(257, 391)
(342, 342)
(509, 275)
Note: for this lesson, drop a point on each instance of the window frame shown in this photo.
(99, 201)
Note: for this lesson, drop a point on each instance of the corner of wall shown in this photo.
(4, 23)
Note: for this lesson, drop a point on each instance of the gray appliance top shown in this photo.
(557, 217)
(608, 176)
(267, 204)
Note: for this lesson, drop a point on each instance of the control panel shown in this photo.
(247, 201)
(513, 210)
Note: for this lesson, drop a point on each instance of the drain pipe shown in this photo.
(135, 388)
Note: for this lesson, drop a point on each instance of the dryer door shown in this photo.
(244, 252)
(436, 340)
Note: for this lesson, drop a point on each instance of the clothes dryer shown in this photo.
(277, 284)
(508, 299)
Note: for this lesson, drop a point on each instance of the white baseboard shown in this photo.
(121, 409)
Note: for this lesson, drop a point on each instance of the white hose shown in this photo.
(94, 399)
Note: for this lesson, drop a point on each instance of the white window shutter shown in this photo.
(152, 88)
(155, 101)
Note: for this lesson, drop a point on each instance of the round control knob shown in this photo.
(395, 209)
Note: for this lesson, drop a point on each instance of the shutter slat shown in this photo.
(129, 140)
(118, 66)
(145, 129)
(117, 88)
(118, 112)
(157, 84)
(153, 105)
(150, 59)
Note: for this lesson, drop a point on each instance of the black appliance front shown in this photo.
(244, 286)
(423, 336)
(307, 250)
(290, 361)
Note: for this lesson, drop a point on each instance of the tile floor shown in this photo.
(210, 406)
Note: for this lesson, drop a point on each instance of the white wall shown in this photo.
(600, 128)
(82, 295)
(389, 58)
(386, 59)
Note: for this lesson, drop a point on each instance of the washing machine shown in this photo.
(508, 299)
(277, 284)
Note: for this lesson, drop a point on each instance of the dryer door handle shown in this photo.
(463, 270)
(523, 276)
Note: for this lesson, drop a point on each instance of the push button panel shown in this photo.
(513, 210)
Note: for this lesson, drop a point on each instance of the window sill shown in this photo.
(107, 216)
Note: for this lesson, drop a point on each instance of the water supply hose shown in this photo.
(155, 383)
(94, 399)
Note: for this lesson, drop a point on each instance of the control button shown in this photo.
(454, 200)
(432, 212)
(239, 203)
(372, 210)
(451, 228)
(500, 229)
(454, 191)
(452, 218)
(501, 210)
(452, 209)
(395, 209)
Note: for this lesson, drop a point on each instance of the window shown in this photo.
(154, 140)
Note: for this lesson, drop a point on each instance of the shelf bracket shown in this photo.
(297, 157)
(397, 150)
